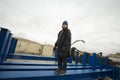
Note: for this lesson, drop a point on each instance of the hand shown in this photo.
(56, 47)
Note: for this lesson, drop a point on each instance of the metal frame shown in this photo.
(5, 38)
(12, 46)
(36, 71)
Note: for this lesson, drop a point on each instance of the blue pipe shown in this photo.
(84, 59)
(76, 58)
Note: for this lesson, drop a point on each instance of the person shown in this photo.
(63, 45)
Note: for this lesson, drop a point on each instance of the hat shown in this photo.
(65, 23)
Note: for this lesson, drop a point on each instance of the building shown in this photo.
(25, 46)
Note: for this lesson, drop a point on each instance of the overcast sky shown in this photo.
(95, 21)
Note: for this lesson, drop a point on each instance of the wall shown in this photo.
(47, 50)
(31, 47)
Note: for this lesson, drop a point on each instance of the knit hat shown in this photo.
(65, 23)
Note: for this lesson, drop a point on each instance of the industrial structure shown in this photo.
(92, 69)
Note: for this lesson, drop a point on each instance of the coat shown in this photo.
(64, 42)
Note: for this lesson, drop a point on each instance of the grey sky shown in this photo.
(95, 21)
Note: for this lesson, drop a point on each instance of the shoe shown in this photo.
(62, 72)
(57, 71)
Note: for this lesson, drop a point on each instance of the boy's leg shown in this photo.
(59, 65)
(64, 68)
(59, 62)
(64, 63)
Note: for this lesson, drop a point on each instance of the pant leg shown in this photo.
(59, 62)
(64, 63)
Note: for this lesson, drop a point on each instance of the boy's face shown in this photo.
(64, 26)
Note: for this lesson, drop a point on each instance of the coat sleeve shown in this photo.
(56, 44)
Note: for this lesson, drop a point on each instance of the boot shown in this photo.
(62, 72)
(58, 71)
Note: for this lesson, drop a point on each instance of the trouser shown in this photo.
(62, 62)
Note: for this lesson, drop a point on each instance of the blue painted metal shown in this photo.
(26, 57)
(89, 60)
(45, 75)
(107, 63)
(12, 46)
(76, 58)
(7, 46)
(38, 71)
(31, 57)
(69, 60)
(4, 34)
(84, 58)
(116, 74)
(96, 62)
(40, 67)
(101, 63)
(93, 63)
(35, 64)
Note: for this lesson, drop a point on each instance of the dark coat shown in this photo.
(64, 42)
